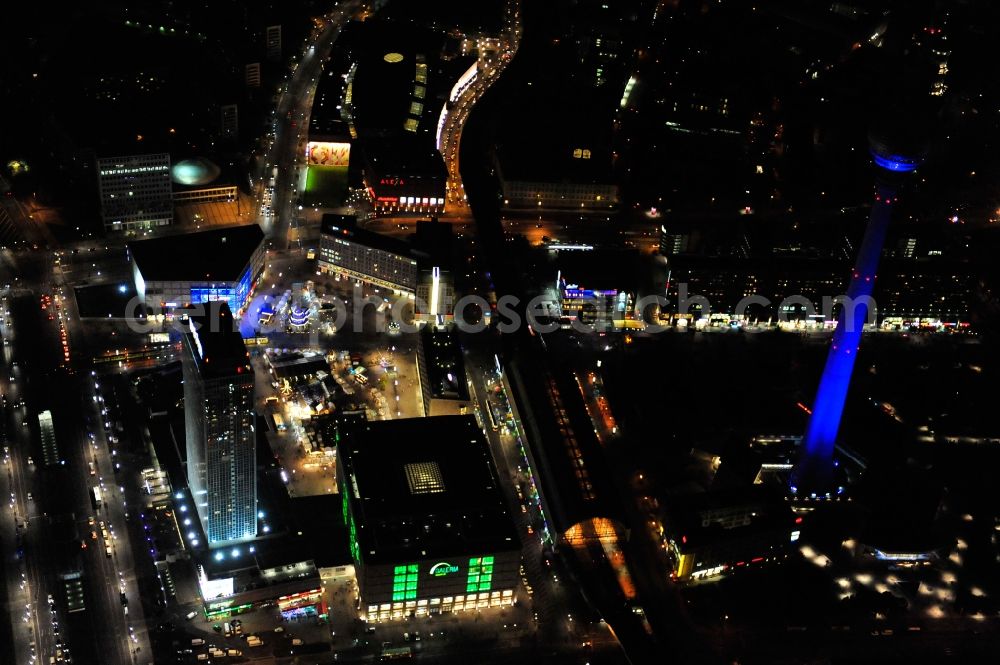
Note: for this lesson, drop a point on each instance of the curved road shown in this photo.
(491, 63)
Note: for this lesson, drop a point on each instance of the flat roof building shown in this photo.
(563, 161)
(175, 271)
(366, 256)
(136, 193)
(443, 383)
(284, 570)
(406, 175)
(435, 241)
(397, 83)
(718, 533)
(600, 286)
(429, 530)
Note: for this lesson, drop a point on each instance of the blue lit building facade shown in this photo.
(220, 265)
(236, 295)
(594, 305)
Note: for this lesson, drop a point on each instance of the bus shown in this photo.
(493, 418)
(279, 423)
(396, 653)
(95, 497)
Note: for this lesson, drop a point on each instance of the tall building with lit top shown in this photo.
(219, 425)
(429, 530)
(815, 476)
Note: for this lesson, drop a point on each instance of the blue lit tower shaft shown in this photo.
(815, 469)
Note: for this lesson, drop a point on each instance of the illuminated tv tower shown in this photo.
(814, 474)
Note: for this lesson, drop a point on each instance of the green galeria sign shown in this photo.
(442, 569)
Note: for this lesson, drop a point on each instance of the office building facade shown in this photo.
(365, 256)
(136, 192)
(219, 426)
(273, 38)
(535, 195)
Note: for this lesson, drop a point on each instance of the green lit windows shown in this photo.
(404, 582)
(480, 575)
(355, 548)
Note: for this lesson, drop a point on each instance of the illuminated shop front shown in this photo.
(303, 604)
(419, 205)
(241, 585)
(705, 562)
(423, 588)
(590, 305)
(223, 609)
(405, 177)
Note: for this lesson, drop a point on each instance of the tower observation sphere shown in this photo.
(898, 151)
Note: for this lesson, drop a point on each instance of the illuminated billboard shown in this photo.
(411, 581)
(573, 292)
(325, 153)
(326, 177)
(212, 589)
